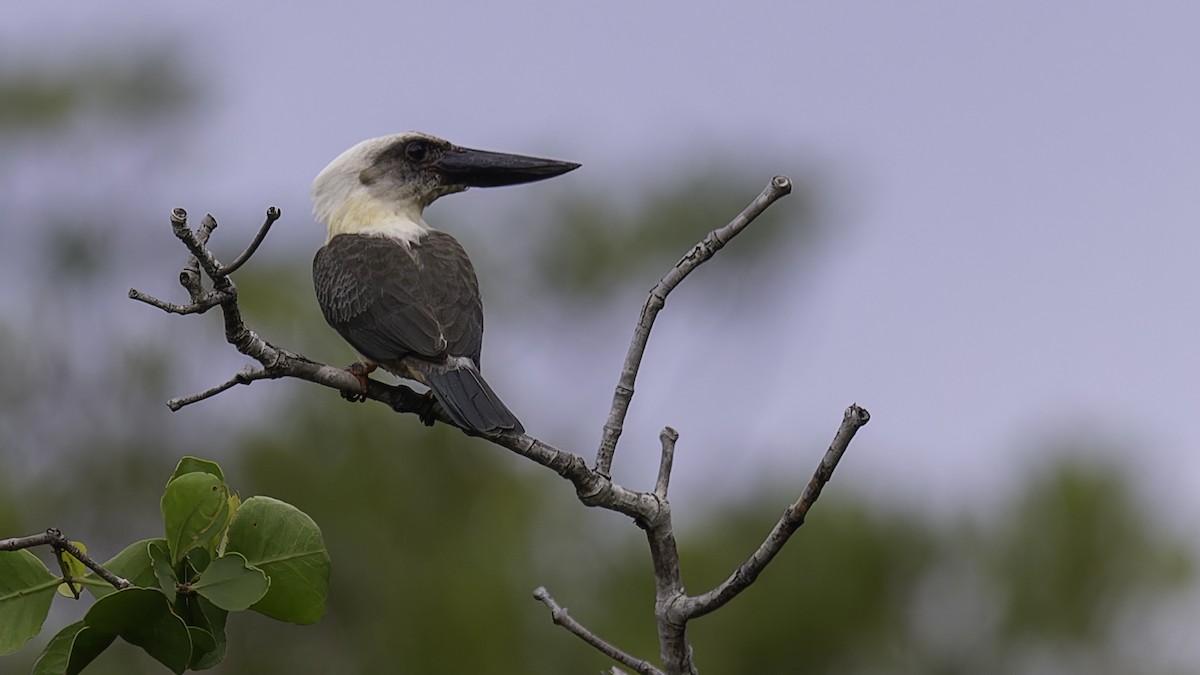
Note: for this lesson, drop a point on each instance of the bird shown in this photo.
(403, 294)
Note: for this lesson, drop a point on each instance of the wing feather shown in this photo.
(390, 300)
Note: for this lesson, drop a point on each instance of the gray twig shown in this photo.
(561, 618)
(189, 277)
(206, 303)
(273, 214)
(245, 376)
(779, 186)
(854, 419)
(59, 542)
(197, 243)
(667, 437)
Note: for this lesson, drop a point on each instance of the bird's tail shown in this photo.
(470, 402)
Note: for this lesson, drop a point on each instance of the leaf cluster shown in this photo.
(219, 555)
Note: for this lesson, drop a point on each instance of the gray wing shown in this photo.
(390, 301)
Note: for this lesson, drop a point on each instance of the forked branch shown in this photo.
(651, 510)
(56, 540)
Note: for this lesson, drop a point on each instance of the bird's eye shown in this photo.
(416, 150)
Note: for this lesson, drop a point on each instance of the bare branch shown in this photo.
(76, 591)
(854, 419)
(195, 245)
(779, 186)
(209, 301)
(55, 539)
(189, 277)
(593, 485)
(273, 214)
(244, 376)
(667, 437)
(562, 618)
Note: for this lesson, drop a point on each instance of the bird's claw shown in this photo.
(427, 411)
(360, 371)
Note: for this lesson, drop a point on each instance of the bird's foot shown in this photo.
(360, 371)
(427, 411)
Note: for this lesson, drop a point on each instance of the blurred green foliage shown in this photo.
(598, 242)
(129, 86)
(1055, 553)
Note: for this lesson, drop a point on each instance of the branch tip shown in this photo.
(791, 520)
(561, 618)
(779, 187)
(273, 214)
(667, 438)
(857, 415)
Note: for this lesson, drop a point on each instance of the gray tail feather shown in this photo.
(470, 402)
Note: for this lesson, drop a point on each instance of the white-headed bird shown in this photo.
(403, 294)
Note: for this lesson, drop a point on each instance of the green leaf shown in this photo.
(218, 549)
(198, 612)
(197, 560)
(202, 644)
(191, 464)
(26, 591)
(286, 544)
(76, 569)
(73, 648)
(231, 584)
(164, 574)
(143, 617)
(131, 564)
(195, 507)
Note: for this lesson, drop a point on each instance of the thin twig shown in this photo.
(562, 618)
(273, 214)
(55, 538)
(244, 376)
(199, 249)
(791, 520)
(779, 186)
(667, 437)
(209, 301)
(76, 591)
(189, 277)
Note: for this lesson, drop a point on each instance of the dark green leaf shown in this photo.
(197, 560)
(202, 644)
(164, 574)
(143, 617)
(73, 648)
(198, 612)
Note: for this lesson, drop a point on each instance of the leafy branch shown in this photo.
(651, 511)
(170, 596)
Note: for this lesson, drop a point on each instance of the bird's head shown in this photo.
(401, 174)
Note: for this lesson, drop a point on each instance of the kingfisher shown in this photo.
(402, 294)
